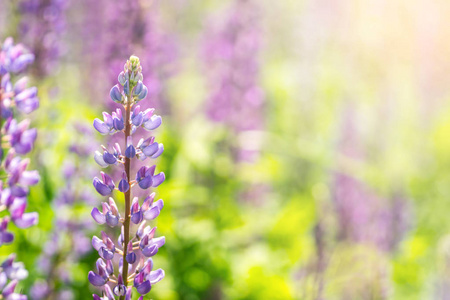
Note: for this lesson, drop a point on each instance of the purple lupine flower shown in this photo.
(19, 139)
(110, 214)
(42, 26)
(5, 236)
(22, 138)
(10, 274)
(230, 53)
(134, 269)
(105, 186)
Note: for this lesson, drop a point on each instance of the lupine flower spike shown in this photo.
(16, 139)
(135, 249)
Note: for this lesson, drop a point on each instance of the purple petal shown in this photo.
(117, 150)
(143, 93)
(121, 78)
(150, 250)
(111, 219)
(124, 186)
(109, 267)
(139, 87)
(137, 120)
(131, 258)
(148, 114)
(156, 276)
(160, 241)
(118, 124)
(101, 127)
(22, 62)
(101, 188)
(154, 122)
(136, 218)
(158, 179)
(98, 157)
(148, 201)
(18, 208)
(115, 94)
(98, 216)
(6, 238)
(97, 243)
(150, 150)
(16, 296)
(105, 253)
(145, 183)
(108, 180)
(159, 152)
(28, 93)
(101, 266)
(126, 87)
(152, 213)
(18, 191)
(141, 173)
(109, 158)
(140, 230)
(150, 171)
(120, 290)
(108, 119)
(148, 266)
(128, 296)
(20, 85)
(9, 289)
(109, 293)
(144, 287)
(27, 220)
(135, 205)
(160, 204)
(29, 178)
(120, 238)
(28, 105)
(3, 280)
(95, 279)
(130, 152)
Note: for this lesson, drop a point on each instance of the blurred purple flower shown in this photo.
(42, 26)
(364, 216)
(69, 240)
(230, 53)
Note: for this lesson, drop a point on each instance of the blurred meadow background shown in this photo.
(307, 143)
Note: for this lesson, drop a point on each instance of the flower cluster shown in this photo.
(42, 26)
(13, 272)
(135, 262)
(16, 139)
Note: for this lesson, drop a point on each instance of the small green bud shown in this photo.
(134, 61)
